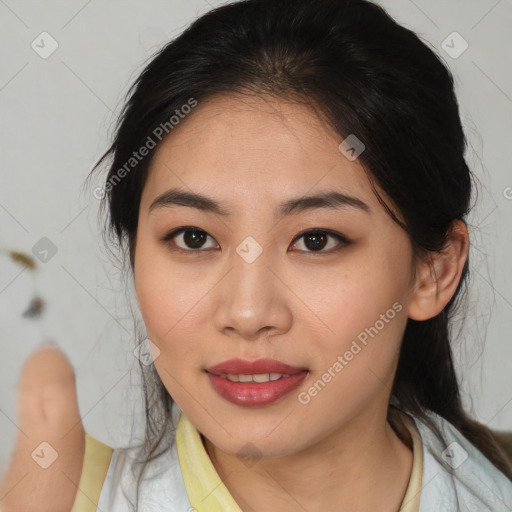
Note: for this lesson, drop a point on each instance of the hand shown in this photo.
(48, 413)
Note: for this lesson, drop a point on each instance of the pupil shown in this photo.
(318, 241)
(195, 239)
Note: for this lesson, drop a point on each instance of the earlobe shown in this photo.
(438, 278)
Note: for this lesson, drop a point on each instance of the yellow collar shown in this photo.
(206, 491)
(204, 487)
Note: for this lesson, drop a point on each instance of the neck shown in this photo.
(364, 466)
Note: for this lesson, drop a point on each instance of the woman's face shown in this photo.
(249, 286)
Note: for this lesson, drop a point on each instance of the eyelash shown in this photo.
(315, 231)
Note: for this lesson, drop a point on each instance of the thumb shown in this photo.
(46, 464)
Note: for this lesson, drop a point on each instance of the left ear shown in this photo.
(438, 278)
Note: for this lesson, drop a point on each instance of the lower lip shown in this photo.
(252, 394)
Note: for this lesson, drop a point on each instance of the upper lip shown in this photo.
(242, 367)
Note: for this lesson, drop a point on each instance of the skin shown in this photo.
(293, 304)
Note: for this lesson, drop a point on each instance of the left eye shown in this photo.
(317, 240)
(314, 240)
(192, 236)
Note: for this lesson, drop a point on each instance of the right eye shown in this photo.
(191, 237)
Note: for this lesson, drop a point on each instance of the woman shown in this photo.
(289, 181)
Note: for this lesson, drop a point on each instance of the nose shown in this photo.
(252, 302)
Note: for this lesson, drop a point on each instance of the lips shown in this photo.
(255, 383)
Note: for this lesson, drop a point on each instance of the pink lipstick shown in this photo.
(255, 383)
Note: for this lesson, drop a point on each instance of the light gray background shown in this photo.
(56, 118)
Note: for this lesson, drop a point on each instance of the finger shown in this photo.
(47, 392)
(47, 459)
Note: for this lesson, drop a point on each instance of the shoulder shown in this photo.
(157, 484)
(120, 482)
(456, 473)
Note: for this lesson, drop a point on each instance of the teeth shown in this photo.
(258, 377)
(275, 376)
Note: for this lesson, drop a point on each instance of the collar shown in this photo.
(207, 492)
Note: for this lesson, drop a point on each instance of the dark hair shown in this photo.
(368, 76)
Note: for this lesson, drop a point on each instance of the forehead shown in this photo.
(255, 149)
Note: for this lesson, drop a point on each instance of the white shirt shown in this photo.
(455, 477)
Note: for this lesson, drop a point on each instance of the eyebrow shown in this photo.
(329, 199)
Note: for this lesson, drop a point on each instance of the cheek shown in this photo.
(360, 295)
(355, 365)
(367, 338)
(365, 311)
(166, 308)
(165, 299)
